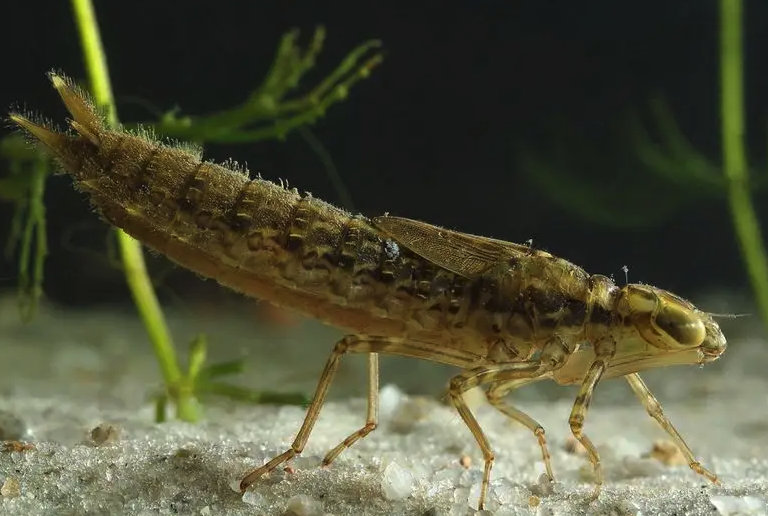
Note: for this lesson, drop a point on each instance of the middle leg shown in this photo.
(502, 373)
(553, 356)
(495, 396)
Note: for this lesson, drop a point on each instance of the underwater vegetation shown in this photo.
(664, 161)
(271, 112)
(669, 169)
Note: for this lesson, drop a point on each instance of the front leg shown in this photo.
(605, 348)
(653, 407)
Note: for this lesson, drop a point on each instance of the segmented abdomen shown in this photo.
(305, 243)
(258, 226)
(297, 251)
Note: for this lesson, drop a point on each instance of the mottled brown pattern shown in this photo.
(507, 314)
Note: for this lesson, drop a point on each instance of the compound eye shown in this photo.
(680, 324)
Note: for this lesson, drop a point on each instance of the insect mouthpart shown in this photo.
(714, 343)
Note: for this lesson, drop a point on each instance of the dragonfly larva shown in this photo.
(506, 314)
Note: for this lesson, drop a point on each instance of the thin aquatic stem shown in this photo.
(735, 165)
(30, 282)
(131, 252)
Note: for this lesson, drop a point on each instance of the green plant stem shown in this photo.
(745, 221)
(30, 282)
(95, 58)
(130, 250)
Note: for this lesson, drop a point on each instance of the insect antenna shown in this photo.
(727, 316)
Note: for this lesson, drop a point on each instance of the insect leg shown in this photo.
(480, 376)
(495, 395)
(348, 344)
(371, 420)
(579, 412)
(553, 356)
(653, 407)
(355, 344)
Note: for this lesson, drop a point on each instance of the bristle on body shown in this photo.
(85, 119)
(251, 235)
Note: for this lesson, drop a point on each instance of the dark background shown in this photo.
(433, 134)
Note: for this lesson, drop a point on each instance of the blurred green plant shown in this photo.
(674, 173)
(620, 203)
(24, 187)
(736, 169)
(270, 112)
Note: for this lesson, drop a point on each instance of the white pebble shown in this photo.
(544, 486)
(470, 477)
(474, 494)
(491, 505)
(397, 482)
(461, 496)
(304, 505)
(448, 475)
(390, 398)
(234, 483)
(459, 509)
(309, 462)
(738, 505)
(506, 492)
(253, 498)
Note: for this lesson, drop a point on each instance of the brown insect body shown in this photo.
(506, 313)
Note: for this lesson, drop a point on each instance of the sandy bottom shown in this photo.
(69, 373)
